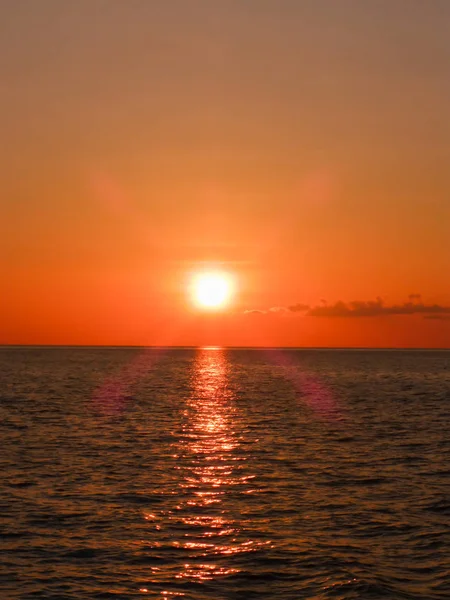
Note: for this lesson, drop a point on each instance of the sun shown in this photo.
(212, 290)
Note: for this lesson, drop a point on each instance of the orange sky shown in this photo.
(303, 146)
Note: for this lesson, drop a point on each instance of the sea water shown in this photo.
(224, 473)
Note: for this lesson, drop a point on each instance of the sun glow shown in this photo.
(212, 290)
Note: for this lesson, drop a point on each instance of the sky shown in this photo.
(303, 146)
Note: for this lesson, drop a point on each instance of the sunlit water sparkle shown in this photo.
(202, 474)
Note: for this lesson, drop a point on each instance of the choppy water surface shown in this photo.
(205, 474)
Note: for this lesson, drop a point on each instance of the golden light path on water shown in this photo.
(213, 477)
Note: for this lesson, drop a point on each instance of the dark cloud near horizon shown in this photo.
(376, 308)
(362, 308)
(298, 307)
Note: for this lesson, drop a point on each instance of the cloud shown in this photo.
(298, 308)
(363, 308)
(376, 308)
(273, 310)
(278, 309)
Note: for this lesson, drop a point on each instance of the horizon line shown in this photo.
(218, 347)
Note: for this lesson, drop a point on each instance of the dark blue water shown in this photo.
(225, 474)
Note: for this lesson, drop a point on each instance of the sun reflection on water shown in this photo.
(212, 478)
(209, 465)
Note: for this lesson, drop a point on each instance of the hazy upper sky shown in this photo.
(302, 144)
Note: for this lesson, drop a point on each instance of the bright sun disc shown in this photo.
(212, 290)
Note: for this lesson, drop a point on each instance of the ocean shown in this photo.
(224, 474)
